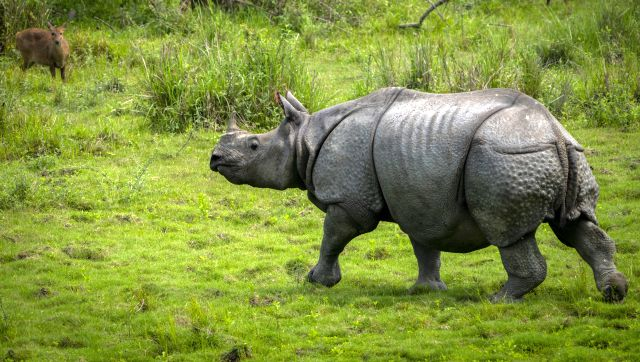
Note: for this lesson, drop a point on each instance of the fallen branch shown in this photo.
(105, 23)
(424, 16)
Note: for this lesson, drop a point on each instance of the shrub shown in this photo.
(115, 12)
(201, 85)
(556, 52)
(531, 75)
(14, 191)
(419, 74)
(29, 135)
(16, 15)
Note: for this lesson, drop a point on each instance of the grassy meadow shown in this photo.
(118, 243)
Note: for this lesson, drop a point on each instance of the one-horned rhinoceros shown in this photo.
(456, 172)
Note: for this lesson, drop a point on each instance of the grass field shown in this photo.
(118, 243)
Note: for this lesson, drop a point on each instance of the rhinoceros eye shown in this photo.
(253, 143)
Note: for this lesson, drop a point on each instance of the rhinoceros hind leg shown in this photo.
(525, 267)
(339, 229)
(597, 249)
(428, 269)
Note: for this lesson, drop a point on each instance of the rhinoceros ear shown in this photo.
(295, 103)
(232, 126)
(290, 112)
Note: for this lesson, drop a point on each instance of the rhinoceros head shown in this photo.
(266, 159)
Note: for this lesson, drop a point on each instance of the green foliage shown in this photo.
(531, 81)
(117, 12)
(17, 15)
(203, 83)
(581, 67)
(118, 243)
(29, 135)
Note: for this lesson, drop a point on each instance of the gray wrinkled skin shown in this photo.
(456, 172)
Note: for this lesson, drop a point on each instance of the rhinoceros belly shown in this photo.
(419, 153)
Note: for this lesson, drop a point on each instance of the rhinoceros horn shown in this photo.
(231, 124)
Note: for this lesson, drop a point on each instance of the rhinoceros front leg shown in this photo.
(339, 229)
(525, 267)
(428, 269)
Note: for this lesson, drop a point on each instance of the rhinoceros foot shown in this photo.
(427, 286)
(615, 288)
(504, 298)
(327, 276)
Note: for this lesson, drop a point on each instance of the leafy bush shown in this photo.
(115, 12)
(557, 52)
(29, 134)
(202, 83)
(14, 191)
(584, 67)
(531, 75)
(16, 15)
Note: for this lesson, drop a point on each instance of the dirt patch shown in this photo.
(236, 353)
(296, 268)
(10, 238)
(224, 237)
(197, 244)
(213, 293)
(25, 255)
(61, 172)
(83, 252)
(627, 247)
(44, 292)
(377, 254)
(66, 342)
(127, 218)
(263, 301)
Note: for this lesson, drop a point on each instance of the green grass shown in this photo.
(118, 243)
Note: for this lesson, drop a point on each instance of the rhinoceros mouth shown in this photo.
(225, 168)
(216, 168)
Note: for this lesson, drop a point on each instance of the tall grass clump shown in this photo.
(16, 15)
(581, 62)
(531, 75)
(118, 13)
(27, 134)
(419, 74)
(441, 67)
(202, 83)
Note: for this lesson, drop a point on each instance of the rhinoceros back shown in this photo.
(420, 149)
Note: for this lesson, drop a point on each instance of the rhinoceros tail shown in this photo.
(579, 192)
(572, 186)
(582, 188)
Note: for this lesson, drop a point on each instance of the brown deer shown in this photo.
(46, 47)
